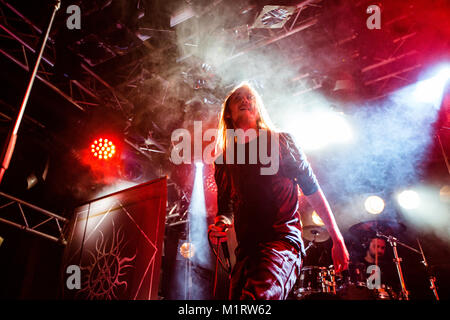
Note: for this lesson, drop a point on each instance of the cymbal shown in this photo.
(370, 228)
(315, 233)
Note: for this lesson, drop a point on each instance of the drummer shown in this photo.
(375, 255)
(376, 249)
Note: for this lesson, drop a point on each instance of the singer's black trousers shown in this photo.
(267, 273)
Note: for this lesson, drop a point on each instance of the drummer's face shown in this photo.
(377, 247)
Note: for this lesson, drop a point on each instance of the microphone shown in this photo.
(226, 253)
(224, 244)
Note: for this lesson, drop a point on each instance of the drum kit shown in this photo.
(322, 283)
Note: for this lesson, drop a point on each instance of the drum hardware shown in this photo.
(315, 233)
(431, 277)
(321, 281)
(369, 229)
(331, 284)
(393, 242)
(385, 293)
(352, 285)
(315, 281)
(310, 244)
(384, 229)
(397, 260)
(354, 275)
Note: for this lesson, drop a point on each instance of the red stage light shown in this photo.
(104, 149)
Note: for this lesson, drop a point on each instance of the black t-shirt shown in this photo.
(264, 206)
(387, 271)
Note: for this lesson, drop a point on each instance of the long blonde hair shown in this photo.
(262, 122)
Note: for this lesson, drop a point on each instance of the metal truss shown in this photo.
(19, 47)
(277, 37)
(395, 56)
(242, 43)
(309, 83)
(177, 213)
(175, 218)
(84, 94)
(298, 24)
(45, 215)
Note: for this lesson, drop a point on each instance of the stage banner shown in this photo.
(115, 245)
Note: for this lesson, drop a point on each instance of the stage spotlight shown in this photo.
(444, 74)
(318, 130)
(444, 193)
(408, 199)
(431, 89)
(198, 218)
(187, 250)
(199, 165)
(374, 205)
(103, 149)
(316, 219)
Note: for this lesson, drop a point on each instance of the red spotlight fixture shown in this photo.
(103, 149)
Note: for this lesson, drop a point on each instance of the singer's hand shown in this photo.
(217, 232)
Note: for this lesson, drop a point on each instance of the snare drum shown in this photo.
(315, 282)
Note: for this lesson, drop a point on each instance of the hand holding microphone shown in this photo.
(219, 228)
(218, 231)
(217, 234)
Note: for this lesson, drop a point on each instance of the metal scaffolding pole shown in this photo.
(88, 89)
(12, 138)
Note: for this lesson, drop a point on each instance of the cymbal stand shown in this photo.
(431, 277)
(313, 242)
(310, 244)
(393, 242)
